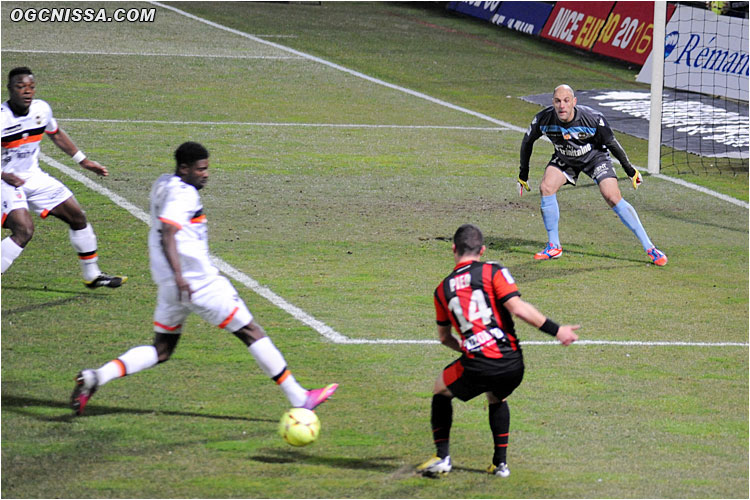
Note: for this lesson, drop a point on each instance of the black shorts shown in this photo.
(598, 169)
(467, 379)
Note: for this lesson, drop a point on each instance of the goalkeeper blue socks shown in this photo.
(551, 217)
(629, 217)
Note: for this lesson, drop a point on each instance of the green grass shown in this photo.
(353, 225)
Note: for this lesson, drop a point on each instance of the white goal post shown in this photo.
(657, 87)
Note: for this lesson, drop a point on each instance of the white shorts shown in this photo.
(13, 198)
(41, 192)
(215, 301)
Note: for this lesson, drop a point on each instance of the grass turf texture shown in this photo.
(353, 226)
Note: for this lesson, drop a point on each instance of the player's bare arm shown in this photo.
(447, 338)
(13, 179)
(63, 141)
(531, 315)
(169, 245)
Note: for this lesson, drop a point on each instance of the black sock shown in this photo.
(500, 426)
(441, 420)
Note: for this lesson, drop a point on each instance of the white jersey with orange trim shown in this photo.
(179, 204)
(22, 135)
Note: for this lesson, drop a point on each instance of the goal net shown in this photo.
(705, 126)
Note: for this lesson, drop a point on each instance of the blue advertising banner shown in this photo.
(526, 17)
(481, 10)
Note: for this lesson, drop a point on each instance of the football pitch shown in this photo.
(348, 141)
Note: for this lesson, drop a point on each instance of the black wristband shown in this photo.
(550, 327)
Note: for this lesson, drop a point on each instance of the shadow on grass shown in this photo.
(534, 270)
(521, 246)
(455, 468)
(20, 405)
(469, 469)
(295, 456)
(512, 245)
(382, 464)
(74, 296)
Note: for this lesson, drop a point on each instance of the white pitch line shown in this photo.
(418, 94)
(710, 192)
(317, 325)
(639, 343)
(116, 198)
(363, 76)
(265, 292)
(149, 54)
(625, 343)
(286, 124)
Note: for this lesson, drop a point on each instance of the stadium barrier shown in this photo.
(621, 30)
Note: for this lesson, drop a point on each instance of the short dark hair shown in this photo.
(468, 240)
(21, 70)
(190, 152)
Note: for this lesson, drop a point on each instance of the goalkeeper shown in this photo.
(583, 140)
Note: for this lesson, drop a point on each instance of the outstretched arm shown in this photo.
(531, 315)
(66, 144)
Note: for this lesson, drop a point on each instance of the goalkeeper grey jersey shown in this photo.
(579, 142)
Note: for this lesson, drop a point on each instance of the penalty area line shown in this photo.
(338, 67)
(284, 124)
(265, 292)
(143, 54)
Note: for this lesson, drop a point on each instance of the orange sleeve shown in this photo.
(170, 222)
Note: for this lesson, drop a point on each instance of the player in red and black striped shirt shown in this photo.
(478, 299)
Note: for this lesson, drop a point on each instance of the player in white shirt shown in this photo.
(189, 283)
(25, 120)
